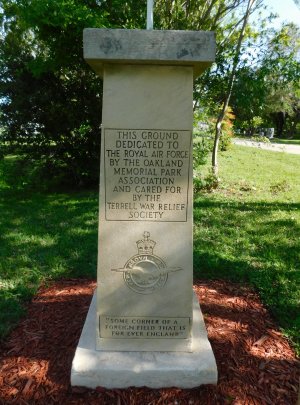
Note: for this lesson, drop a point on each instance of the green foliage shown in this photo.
(195, 15)
(50, 99)
(269, 89)
(202, 146)
(207, 183)
(248, 98)
(262, 139)
(227, 130)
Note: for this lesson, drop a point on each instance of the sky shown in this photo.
(286, 9)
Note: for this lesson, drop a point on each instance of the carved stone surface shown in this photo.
(145, 264)
(190, 48)
(146, 331)
(92, 368)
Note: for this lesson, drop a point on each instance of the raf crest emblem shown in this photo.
(145, 272)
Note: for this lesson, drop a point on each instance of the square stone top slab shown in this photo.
(148, 47)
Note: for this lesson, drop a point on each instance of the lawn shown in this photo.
(43, 236)
(286, 141)
(247, 231)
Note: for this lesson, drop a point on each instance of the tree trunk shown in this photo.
(281, 122)
(218, 127)
(215, 166)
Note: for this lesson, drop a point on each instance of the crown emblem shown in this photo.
(145, 246)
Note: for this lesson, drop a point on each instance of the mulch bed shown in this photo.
(256, 364)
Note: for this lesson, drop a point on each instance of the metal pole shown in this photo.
(149, 14)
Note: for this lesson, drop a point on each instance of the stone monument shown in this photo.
(144, 328)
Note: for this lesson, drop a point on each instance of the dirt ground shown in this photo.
(256, 364)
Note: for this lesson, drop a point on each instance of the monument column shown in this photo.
(145, 250)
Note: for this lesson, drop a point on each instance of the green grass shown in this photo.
(286, 141)
(249, 229)
(42, 236)
(281, 141)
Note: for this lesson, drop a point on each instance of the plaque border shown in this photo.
(104, 129)
(143, 317)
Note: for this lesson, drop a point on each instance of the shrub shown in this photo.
(202, 146)
(263, 139)
(227, 130)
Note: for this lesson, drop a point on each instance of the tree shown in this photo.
(50, 99)
(248, 98)
(225, 105)
(269, 88)
(282, 70)
(194, 15)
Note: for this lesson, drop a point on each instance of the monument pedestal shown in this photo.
(143, 328)
(110, 369)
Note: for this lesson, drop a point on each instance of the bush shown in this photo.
(227, 131)
(202, 147)
(263, 139)
(225, 142)
(208, 183)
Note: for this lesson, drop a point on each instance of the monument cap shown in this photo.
(148, 47)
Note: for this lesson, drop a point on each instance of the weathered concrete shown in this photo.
(146, 110)
(144, 328)
(184, 48)
(109, 369)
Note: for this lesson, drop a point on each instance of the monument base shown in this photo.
(112, 369)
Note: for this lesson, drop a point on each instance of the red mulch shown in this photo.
(255, 362)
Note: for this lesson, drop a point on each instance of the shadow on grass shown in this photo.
(42, 236)
(246, 206)
(257, 243)
(54, 235)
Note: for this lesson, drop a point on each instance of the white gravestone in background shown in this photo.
(149, 329)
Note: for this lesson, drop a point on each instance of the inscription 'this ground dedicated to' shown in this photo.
(146, 174)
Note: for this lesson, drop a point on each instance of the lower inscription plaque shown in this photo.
(144, 327)
(146, 174)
